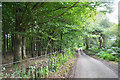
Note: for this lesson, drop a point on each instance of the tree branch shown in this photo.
(36, 5)
(59, 14)
(55, 9)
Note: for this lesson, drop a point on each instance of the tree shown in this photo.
(45, 21)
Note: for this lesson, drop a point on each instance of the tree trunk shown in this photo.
(7, 42)
(87, 43)
(24, 47)
(61, 43)
(38, 46)
(100, 42)
(29, 46)
(52, 42)
(12, 42)
(104, 40)
(32, 49)
(18, 38)
(48, 48)
(118, 42)
(18, 48)
(4, 45)
(44, 46)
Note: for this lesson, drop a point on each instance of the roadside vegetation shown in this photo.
(47, 35)
(54, 65)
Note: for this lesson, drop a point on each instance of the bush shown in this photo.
(114, 48)
(94, 49)
(100, 53)
(118, 59)
(109, 50)
(106, 56)
(83, 47)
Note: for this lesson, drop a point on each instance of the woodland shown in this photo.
(55, 30)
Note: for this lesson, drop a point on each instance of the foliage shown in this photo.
(43, 23)
(106, 56)
(57, 26)
(105, 23)
(44, 70)
(94, 49)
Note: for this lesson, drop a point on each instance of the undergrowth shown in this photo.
(41, 70)
(107, 56)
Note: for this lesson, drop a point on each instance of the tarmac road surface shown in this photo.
(88, 67)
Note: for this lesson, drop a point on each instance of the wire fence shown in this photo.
(40, 69)
(47, 56)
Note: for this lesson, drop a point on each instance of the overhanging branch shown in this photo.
(59, 14)
(36, 5)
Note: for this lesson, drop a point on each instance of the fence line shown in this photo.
(30, 58)
(26, 59)
(23, 60)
